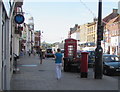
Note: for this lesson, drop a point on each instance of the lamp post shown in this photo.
(39, 38)
(99, 51)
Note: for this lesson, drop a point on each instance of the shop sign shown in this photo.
(19, 19)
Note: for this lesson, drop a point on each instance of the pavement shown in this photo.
(35, 76)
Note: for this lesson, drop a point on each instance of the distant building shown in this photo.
(83, 34)
(75, 34)
(37, 39)
(92, 33)
(26, 38)
(31, 33)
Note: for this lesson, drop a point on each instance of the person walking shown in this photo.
(41, 55)
(29, 52)
(34, 52)
(58, 61)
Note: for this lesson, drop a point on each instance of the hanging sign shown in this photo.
(19, 19)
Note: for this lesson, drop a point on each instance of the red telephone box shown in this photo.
(70, 55)
(70, 48)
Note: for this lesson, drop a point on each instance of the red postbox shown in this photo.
(84, 64)
(70, 55)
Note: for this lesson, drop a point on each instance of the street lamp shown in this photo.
(99, 51)
(39, 38)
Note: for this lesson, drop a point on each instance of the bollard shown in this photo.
(84, 64)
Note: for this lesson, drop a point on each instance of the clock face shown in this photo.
(19, 19)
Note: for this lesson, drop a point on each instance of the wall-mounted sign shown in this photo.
(19, 19)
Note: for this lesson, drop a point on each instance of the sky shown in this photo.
(55, 17)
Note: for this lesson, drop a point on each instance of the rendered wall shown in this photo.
(0, 46)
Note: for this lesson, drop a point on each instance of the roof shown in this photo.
(117, 18)
(114, 19)
(70, 39)
(90, 24)
(110, 16)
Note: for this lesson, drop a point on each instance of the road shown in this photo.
(36, 76)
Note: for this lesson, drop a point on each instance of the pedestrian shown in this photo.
(29, 52)
(41, 55)
(58, 61)
(34, 52)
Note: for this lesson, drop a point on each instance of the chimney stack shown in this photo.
(115, 11)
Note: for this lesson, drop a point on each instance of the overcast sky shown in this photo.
(56, 18)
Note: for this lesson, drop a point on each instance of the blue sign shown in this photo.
(19, 19)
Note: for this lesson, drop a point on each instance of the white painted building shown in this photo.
(28, 36)
(75, 34)
(115, 44)
(7, 46)
(28, 41)
(4, 46)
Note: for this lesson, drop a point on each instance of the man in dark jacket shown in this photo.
(41, 55)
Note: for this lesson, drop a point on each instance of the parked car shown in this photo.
(111, 64)
(79, 53)
(49, 53)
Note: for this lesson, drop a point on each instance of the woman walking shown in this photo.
(58, 62)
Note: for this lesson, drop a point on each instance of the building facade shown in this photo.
(75, 34)
(8, 37)
(113, 27)
(27, 38)
(31, 33)
(4, 46)
(83, 36)
(37, 39)
(107, 21)
(92, 32)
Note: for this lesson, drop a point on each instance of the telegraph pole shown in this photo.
(99, 51)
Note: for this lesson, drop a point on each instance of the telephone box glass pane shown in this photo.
(70, 50)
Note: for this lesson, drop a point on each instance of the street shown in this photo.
(36, 76)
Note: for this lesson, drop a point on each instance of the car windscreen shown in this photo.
(91, 53)
(110, 58)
